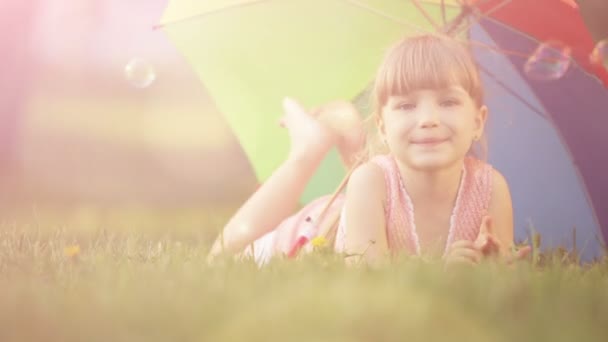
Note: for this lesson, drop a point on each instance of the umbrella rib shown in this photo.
(244, 3)
(573, 61)
(434, 3)
(417, 3)
(467, 10)
(420, 29)
(514, 93)
(236, 4)
(443, 16)
(426, 14)
(395, 19)
(475, 10)
(453, 25)
(385, 15)
(497, 49)
(484, 15)
(512, 29)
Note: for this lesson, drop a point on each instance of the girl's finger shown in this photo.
(492, 247)
(519, 254)
(486, 225)
(469, 253)
(462, 244)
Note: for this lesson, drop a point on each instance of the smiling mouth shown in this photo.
(428, 142)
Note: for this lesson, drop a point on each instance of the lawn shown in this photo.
(125, 276)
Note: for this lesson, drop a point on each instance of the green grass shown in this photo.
(155, 285)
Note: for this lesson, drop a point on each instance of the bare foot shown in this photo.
(343, 119)
(309, 138)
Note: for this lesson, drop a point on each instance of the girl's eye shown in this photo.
(406, 106)
(449, 103)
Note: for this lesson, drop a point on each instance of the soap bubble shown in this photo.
(550, 61)
(599, 55)
(139, 73)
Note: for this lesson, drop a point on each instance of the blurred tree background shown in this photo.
(77, 131)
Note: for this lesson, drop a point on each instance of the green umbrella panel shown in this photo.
(251, 54)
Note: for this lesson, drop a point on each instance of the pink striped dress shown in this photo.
(471, 206)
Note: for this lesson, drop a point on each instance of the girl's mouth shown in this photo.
(430, 141)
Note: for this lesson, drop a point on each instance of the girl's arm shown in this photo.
(501, 212)
(365, 222)
(498, 226)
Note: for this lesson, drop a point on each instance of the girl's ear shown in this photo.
(379, 122)
(380, 128)
(480, 120)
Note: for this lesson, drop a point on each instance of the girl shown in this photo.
(423, 192)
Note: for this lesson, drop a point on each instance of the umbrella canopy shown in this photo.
(544, 20)
(552, 147)
(544, 136)
(251, 54)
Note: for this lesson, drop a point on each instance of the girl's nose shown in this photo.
(429, 117)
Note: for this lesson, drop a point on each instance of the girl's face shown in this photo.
(432, 129)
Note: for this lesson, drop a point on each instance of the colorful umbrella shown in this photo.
(545, 136)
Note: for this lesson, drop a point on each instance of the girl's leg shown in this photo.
(278, 197)
(343, 118)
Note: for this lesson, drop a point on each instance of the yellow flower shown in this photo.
(71, 251)
(319, 241)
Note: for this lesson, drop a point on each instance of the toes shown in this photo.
(292, 107)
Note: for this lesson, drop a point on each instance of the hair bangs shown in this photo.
(426, 62)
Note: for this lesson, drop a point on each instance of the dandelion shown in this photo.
(319, 241)
(71, 251)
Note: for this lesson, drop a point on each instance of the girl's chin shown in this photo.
(430, 163)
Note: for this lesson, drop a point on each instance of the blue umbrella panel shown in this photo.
(549, 140)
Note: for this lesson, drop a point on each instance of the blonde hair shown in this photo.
(430, 61)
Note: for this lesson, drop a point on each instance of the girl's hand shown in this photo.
(487, 242)
(472, 252)
(490, 246)
(463, 252)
